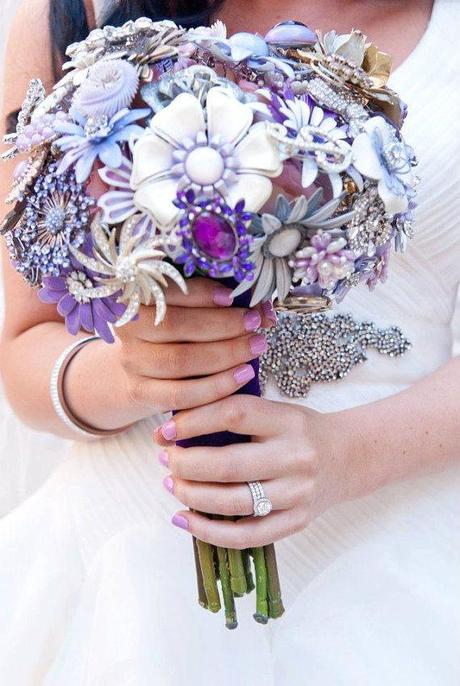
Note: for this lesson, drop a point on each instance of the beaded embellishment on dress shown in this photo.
(306, 349)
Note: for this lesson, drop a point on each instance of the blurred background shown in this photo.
(27, 458)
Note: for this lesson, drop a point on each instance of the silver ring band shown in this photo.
(262, 504)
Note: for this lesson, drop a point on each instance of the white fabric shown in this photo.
(97, 588)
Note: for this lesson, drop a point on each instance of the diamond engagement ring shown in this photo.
(262, 504)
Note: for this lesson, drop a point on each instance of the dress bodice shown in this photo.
(419, 295)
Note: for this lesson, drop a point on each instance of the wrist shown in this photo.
(96, 391)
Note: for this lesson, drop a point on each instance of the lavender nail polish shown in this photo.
(223, 297)
(258, 345)
(244, 374)
(269, 312)
(252, 320)
(180, 521)
(169, 430)
(168, 483)
(163, 458)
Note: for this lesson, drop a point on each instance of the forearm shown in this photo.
(94, 385)
(413, 432)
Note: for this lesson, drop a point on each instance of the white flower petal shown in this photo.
(152, 156)
(336, 184)
(259, 152)
(227, 117)
(156, 198)
(309, 172)
(254, 189)
(183, 118)
(364, 157)
(265, 283)
(394, 204)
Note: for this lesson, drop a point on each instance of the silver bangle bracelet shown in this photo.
(58, 398)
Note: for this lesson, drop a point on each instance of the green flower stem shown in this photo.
(237, 574)
(261, 614)
(206, 556)
(231, 621)
(202, 599)
(275, 602)
(248, 571)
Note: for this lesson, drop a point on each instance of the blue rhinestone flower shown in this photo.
(56, 215)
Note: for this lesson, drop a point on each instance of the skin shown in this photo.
(325, 458)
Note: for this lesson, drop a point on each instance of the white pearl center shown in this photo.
(285, 242)
(204, 166)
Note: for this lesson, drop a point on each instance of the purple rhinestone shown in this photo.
(291, 34)
(214, 236)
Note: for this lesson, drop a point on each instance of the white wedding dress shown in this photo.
(97, 588)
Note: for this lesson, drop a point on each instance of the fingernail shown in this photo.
(269, 312)
(180, 521)
(164, 458)
(252, 320)
(169, 430)
(168, 483)
(258, 344)
(244, 374)
(223, 297)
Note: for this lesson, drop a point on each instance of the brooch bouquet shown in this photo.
(275, 164)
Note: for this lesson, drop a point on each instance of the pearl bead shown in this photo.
(204, 166)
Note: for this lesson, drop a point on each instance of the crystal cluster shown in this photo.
(323, 348)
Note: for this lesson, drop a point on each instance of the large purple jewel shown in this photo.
(214, 236)
(291, 34)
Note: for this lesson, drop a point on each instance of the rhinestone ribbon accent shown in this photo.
(307, 349)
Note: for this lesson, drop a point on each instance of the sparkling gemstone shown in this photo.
(55, 219)
(291, 33)
(263, 507)
(215, 236)
(204, 166)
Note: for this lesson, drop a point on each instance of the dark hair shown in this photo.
(68, 21)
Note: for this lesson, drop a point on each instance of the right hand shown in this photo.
(197, 355)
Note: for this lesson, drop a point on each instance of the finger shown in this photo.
(201, 293)
(242, 414)
(269, 316)
(234, 463)
(235, 500)
(166, 395)
(248, 532)
(191, 360)
(193, 325)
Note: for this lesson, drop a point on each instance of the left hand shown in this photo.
(292, 453)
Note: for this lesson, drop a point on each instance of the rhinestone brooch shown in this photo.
(307, 349)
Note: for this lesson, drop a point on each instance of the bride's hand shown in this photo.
(295, 452)
(197, 355)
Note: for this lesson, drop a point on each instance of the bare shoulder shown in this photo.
(28, 52)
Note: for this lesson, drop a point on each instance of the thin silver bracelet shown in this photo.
(58, 398)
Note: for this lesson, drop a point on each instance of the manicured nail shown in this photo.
(244, 374)
(258, 345)
(252, 320)
(169, 430)
(168, 483)
(180, 521)
(223, 297)
(269, 312)
(164, 458)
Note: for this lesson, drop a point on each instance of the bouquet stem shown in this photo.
(275, 602)
(206, 556)
(261, 615)
(231, 621)
(202, 598)
(248, 571)
(237, 572)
